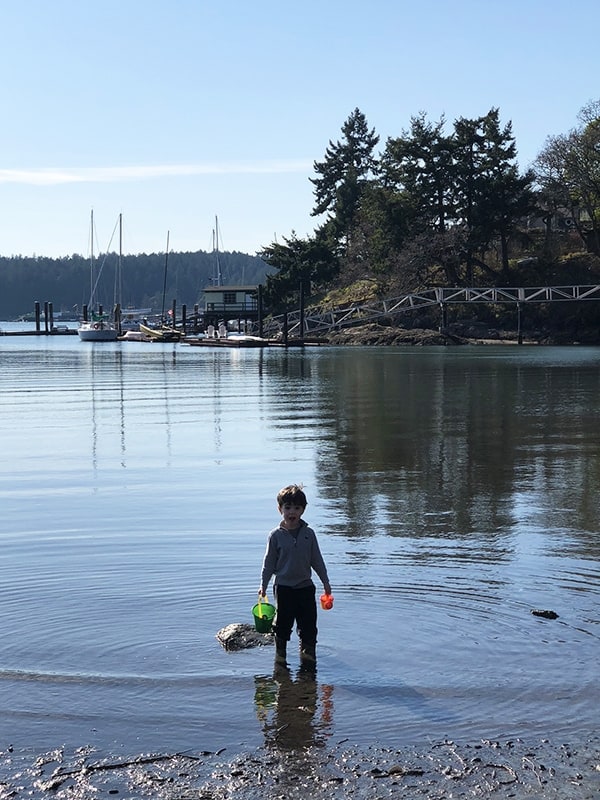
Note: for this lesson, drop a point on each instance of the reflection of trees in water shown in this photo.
(444, 442)
(294, 712)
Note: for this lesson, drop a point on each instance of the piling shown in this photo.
(285, 329)
(260, 311)
(443, 317)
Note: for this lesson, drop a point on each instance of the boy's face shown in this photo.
(291, 513)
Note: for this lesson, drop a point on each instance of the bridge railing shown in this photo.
(321, 320)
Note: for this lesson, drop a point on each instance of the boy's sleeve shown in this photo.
(318, 564)
(269, 563)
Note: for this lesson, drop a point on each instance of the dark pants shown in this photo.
(296, 605)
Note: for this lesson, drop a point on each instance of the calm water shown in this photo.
(453, 491)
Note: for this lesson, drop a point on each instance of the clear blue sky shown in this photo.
(173, 112)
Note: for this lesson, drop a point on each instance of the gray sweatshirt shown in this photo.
(291, 555)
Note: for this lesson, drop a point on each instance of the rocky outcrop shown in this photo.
(373, 334)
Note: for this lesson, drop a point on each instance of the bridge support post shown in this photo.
(519, 331)
(259, 309)
(301, 310)
(443, 317)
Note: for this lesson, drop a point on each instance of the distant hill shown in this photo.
(65, 282)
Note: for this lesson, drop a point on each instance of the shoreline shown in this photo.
(333, 771)
(374, 334)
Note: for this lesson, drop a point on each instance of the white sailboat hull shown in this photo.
(97, 332)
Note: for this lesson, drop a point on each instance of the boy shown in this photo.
(292, 552)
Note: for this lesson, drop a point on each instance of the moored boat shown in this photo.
(231, 340)
(100, 328)
(134, 336)
(162, 334)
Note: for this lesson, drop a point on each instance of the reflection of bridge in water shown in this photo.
(321, 320)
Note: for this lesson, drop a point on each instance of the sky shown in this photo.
(187, 116)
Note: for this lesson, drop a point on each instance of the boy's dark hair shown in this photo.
(293, 495)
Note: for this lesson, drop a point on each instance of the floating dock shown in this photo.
(251, 342)
(67, 332)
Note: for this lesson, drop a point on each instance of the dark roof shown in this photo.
(252, 288)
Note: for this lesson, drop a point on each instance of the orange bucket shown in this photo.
(326, 601)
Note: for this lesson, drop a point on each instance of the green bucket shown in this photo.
(263, 614)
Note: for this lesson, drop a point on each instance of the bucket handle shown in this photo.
(265, 599)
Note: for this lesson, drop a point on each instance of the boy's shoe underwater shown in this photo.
(308, 653)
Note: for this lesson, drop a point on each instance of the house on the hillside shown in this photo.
(562, 219)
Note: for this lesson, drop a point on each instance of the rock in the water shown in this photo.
(241, 636)
(546, 613)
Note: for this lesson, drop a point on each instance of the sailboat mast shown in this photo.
(120, 295)
(91, 258)
(218, 279)
(119, 274)
(162, 315)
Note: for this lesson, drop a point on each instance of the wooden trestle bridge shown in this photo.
(320, 321)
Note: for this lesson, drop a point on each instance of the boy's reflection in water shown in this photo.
(294, 712)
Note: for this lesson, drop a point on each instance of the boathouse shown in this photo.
(233, 304)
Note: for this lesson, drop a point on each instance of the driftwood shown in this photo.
(242, 636)
(60, 775)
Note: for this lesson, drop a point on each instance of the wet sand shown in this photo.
(498, 769)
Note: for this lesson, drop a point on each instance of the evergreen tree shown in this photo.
(302, 265)
(66, 281)
(344, 173)
(419, 165)
(461, 193)
(491, 196)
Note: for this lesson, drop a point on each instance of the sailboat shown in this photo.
(163, 333)
(99, 327)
